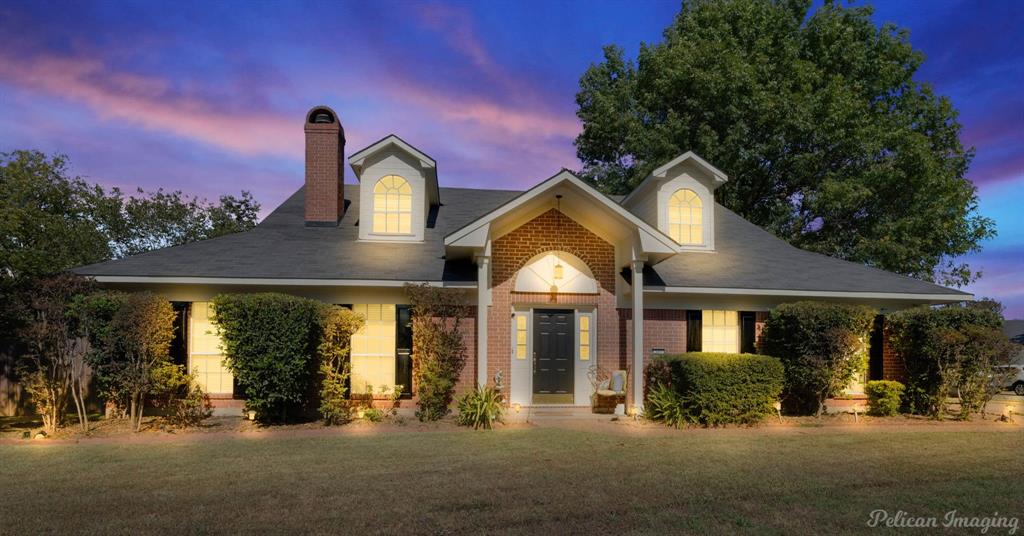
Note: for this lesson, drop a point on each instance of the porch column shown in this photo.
(483, 302)
(638, 334)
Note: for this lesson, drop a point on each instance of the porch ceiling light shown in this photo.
(557, 271)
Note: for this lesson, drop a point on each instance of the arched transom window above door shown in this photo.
(392, 205)
(556, 272)
(685, 217)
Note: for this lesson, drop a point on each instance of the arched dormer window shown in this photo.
(392, 205)
(685, 223)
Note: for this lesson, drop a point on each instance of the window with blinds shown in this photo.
(720, 331)
(205, 357)
(373, 349)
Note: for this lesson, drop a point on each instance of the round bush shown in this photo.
(884, 397)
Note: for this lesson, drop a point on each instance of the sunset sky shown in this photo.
(208, 97)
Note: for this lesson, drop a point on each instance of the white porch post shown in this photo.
(638, 334)
(483, 302)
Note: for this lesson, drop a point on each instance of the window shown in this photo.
(392, 205)
(720, 331)
(685, 223)
(373, 348)
(205, 358)
(520, 336)
(584, 337)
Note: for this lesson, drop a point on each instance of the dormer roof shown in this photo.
(427, 164)
(661, 172)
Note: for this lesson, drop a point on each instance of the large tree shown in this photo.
(51, 221)
(829, 140)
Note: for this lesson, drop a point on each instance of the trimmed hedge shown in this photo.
(822, 345)
(715, 389)
(270, 344)
(883, 397)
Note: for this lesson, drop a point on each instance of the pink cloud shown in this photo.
(150, 103)
(457, 28)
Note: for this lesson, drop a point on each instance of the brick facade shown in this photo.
(663, 328)
(325, 171)
(893, 367)
(550, 231)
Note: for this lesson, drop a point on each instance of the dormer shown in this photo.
(679, 199)
(397, 190)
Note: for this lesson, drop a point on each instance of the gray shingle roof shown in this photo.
(282, 247)
(748, 257)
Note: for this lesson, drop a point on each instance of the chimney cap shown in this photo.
(321, 115)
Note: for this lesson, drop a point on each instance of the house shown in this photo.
(564, 278)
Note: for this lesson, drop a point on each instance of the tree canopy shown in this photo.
(50, 221)
(829, 141)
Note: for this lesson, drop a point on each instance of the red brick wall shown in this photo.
(663, 328)
(893, 367)
(547, 232)
(325, 173)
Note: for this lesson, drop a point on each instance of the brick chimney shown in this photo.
(325, 170)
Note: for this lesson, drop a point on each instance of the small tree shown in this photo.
(53, 365)
(140, 334)
(950, 352)
(95, 313)
(823, 346)
(439, 353)
(270, 343)
(338, 326)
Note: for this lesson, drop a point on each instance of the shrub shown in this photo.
(270, 344)
(338, 326)
(884, 397)
(95, 312)
(179, 395)
(949, 352)
(139, 340)
(481, 408)
(439, 352)
(823, 347)
(713, 389)
(664, 405)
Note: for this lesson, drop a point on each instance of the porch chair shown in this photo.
(610, 393)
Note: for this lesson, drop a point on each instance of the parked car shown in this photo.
(1015, 381)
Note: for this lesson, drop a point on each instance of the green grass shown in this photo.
(519, 480)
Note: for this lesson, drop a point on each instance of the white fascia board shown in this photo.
(475, 238)
(951, 298)
(359, 156)
(661, 171)
(652, 244)
(658, 239)
(690, 155)
(288, 282)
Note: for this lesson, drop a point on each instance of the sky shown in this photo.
(209, 97)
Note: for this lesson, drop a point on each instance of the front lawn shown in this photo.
(541, 480)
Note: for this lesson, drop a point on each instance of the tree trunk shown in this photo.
(83, 416)
(132, 409)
